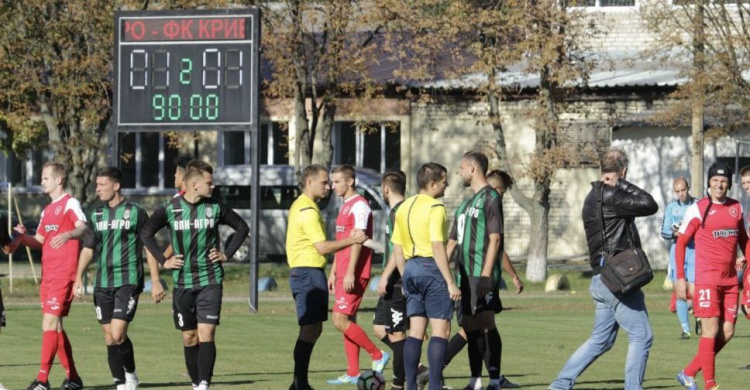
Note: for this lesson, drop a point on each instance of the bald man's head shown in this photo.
(681, 189)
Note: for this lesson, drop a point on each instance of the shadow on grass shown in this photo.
(270, 373)
(177, 384)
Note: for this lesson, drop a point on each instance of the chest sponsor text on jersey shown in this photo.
(117, 224)
(724, 233)
(198, 223)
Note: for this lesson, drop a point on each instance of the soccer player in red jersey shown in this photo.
(61, 226)
(350, 274)
(716, 223)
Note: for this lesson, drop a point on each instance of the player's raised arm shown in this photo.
(148, 236)
(241, 230)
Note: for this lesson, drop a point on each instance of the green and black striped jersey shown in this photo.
(388, 230)
(477, 218)
(113, 234)
(193, 232)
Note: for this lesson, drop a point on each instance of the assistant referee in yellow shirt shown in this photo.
(306, 247)
(419, 237)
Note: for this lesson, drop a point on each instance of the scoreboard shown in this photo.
(186, 70)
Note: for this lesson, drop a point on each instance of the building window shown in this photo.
(371, 145)
(24, 171)
(235, 146)
(606, 3)
(147, 161)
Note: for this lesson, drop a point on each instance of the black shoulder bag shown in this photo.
(625, 271)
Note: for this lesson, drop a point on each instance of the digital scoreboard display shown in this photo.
(186, 70)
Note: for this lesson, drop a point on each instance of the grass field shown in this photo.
(539, 332)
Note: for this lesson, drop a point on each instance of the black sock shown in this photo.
(206, 361)
(386, 340)
(191, 362)
(436, 351)
(115, 364)
(412, 354)
(127, 355)
(302, 353)
(455, 345)
(495, 346)
(476, 352)
(399, 375)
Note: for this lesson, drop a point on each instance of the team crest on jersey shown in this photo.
(733, 211)
(58, 209)
(345, 210)
(209, 212)
(126, 214)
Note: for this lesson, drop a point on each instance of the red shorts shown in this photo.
(348, 303)
(56, 297)
(716, 301)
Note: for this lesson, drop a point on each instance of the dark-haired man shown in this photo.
(113, 237)
(717, 224)
(419, 249)
(194, 220)
(306, 247)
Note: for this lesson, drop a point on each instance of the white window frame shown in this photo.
(614, 8)
(138, 156)
(359, 144)
(264, 126)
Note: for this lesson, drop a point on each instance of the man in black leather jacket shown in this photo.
(621, 203)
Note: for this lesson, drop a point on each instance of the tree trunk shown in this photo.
(536, 264)
(696, 158)
(303, 149)
(326, 128)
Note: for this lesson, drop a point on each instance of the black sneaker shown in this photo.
(685, 336)
(698, 327)
(37, 385)
(72, 384)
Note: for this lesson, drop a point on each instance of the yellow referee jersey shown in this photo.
(420, 220)
(304, 228)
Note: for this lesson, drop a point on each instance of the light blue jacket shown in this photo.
(673, 214)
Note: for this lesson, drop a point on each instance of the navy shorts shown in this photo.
(310, 291)
(426, 291)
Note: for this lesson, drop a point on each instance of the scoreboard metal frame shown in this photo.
(188, 70)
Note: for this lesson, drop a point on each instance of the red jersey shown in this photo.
(355, 214)
(58, 217)
(716, 241)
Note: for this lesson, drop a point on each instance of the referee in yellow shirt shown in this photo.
(306, 247)
(418, 240)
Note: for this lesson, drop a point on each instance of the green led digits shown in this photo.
(186, 66)
(171, 107)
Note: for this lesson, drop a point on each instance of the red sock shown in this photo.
(65, 355)
(694, 366)
(49, 348)
(352, 357)
(359, 337)
(708, 360)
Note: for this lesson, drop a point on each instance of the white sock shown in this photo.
(476, 383)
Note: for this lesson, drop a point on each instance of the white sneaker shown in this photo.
(2, 387)
(121, 387)
(203, 386)
(131, 381)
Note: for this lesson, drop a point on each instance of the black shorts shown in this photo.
(391, 310)
(472, 304)
(119, 303)
(196, 305)
(310, 291)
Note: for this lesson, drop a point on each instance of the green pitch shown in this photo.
(539, 331)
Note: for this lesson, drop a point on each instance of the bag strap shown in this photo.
(600, 201)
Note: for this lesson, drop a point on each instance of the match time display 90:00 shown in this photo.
(168, 79)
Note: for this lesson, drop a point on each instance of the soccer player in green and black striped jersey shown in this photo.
(193, 220)
(477, 238)
(112, 239)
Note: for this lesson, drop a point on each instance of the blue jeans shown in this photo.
(628, 312)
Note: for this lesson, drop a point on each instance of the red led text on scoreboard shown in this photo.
(184, 29)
